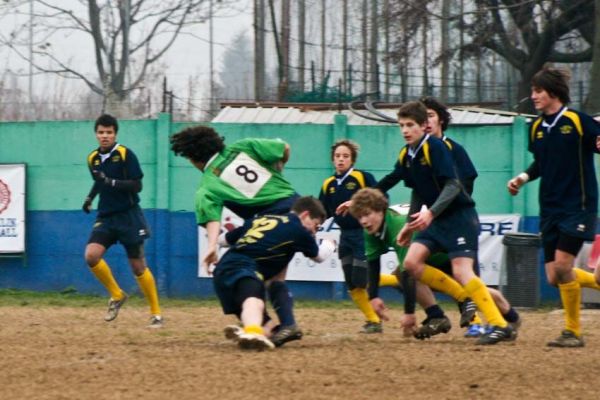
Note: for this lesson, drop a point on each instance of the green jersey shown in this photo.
(242, 174)
(380, 243)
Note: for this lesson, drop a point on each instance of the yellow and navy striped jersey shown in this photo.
(337, 189)
(564, 159)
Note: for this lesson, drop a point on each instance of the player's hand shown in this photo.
(408, 322)
(343, 208)
(380, 309)
(210, 258)
(87, 205)
(404, 236)
(421, 220)
(514, 185)
(100, 176)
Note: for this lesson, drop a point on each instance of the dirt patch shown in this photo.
(71, 353)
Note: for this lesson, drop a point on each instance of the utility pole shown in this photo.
(31, 54)
(301, 42)
(259, 49)
(323, 45)
(211, 55)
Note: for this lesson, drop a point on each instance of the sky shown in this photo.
(188, 56)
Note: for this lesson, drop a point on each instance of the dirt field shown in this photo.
(64, 352)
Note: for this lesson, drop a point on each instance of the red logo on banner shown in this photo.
(4, 196)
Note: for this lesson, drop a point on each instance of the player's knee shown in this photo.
(360, 274)
(411, 265)
(92, 258)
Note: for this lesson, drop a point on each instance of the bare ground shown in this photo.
(71, 353)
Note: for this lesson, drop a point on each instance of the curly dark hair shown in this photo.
(197, 143)
(440, 109)
(107, 120)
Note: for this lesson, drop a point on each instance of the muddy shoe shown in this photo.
(467, 312)
(254, 341)
(372, 327)
(497, 334)
(233, 332)
(156, 322)
(567, 339)
(433, 326)
(114, 306)
(286, 334)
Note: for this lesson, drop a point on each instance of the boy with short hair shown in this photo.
(260, 250)
(443, 214)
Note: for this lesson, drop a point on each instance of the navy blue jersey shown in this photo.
(335, 191)
(564, 157)
(427, 170)
(121, 164)
(464, 166)
(271, 241)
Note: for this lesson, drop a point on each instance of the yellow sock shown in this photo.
(481, 296)
(585, 279)
(388, 280)
(148, 286)
(254, 329)
(104, 275)
(361, 298)
(570, 294)
(437, 280)
(476, 320)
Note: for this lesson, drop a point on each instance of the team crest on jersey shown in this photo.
(116, 158)
(96, 162)
(566, 129)
(331, 190)
(351, 185)
(423, 161)
(539, 134)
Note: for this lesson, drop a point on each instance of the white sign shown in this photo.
(300, 268)
(12, 208)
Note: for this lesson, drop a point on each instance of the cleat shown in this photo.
(156, 322)
(114, 306)
(496, 335)
(286, 334)
(475, 331)
(372, 327)
(433, 326)
(233, 332)
(254, 341)
(567, 339)
(467, 312)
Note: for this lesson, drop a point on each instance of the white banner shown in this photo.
(491, 250)
(12, 208)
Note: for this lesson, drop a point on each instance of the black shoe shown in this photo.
(467, 312)
(286, 334)
(567, 339)
(497, 334)
(433, 326)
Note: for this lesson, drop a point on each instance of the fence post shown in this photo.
(162, 228)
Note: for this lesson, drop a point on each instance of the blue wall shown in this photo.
(54, 260)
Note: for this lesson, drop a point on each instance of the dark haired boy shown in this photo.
(563, 143)
(118, 180)
(443, 215)
(260, 250)
(245, 177)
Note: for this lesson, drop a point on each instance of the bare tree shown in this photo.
(542, 27)
(592, 103)
(128, 36)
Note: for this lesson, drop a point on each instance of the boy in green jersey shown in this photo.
(246, 178)
(381, 226)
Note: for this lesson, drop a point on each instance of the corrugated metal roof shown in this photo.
(293, 115)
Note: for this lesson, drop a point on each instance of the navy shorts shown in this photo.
(352, 243)
(569, 226)
(455, 233)
(230, 270)
(127, 227)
